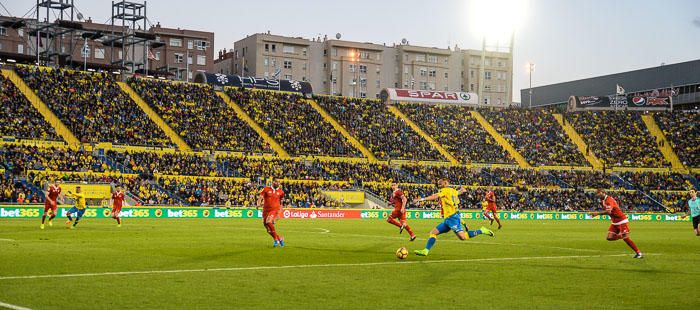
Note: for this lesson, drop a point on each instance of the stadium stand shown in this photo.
(379, 130)
(19, 118)
(93, 106)
(682, 129)
(537, 136)
(458, 132)
(292, 122)
(200, 117)
(18, 159)
(619, 138)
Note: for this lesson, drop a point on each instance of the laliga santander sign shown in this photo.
(320, 214)
(396, 94)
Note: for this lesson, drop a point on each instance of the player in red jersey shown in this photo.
(491, 207)
(271, 201)
(117, 202)
(619, 229)
(398, 200)
(51, 203)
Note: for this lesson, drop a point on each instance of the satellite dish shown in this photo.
(404, 41)
(337, 36)
(80, 16)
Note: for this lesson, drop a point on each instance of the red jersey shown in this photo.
(616, 215)
(117, 199)
(54, 191)
(491, 198)
(397, 199)
(272, 198)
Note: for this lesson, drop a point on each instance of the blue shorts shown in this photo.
(453, 222)
(75, 209)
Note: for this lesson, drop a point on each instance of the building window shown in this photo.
(303, 67)
(288, 49)
(432, 73)
(363, 68)
(379, 71)
(189, 75)
(274, 48)
(201, 60)
(364, 55)
(100, 53)
(445, 88)
(287, 64)
(190, 44)
(178, 58)
(405, 69)
(189, 60)
(423, 86)
(471, 87)
(334, 65)
(487, 75)
(201, 44)
(487, 100)
(487, 87)
(3, 31)
(431, 86)
(20, 48)
(303, 51)
(351, 67)
(287, 76)
(363, 94)
(157, 55)
(445, 74)
(266, 62)
(274, 63)
(267, 47)
(471, 74)
(432, 59)
(378, 83)
(423, 71)
(487, 62)
(20, 32)
(420, 58)
(334, 52)
(176, 42)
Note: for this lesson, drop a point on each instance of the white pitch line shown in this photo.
(8, 240)
(11, 306)
(126, 273)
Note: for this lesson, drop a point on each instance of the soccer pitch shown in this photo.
(342, 264)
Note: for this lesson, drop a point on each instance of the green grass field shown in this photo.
(342, 264)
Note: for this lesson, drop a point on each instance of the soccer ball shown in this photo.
(401, 253)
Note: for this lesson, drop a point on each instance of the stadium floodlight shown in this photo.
(11, 60)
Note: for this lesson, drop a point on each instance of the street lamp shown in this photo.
(530, 69)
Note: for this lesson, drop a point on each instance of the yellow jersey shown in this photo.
(484, 205)
(79, 200)
(449, 199)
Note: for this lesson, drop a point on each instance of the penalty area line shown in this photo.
(13, 307)
(254, 268)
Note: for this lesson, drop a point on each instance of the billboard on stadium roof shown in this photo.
(431, 96)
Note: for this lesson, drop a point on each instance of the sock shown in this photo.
(272, 231)
(409, 230)
(70, 218)
(43, 218)
(431, 242)
(486, 216)
(394, 222)
(631, 244)
(119, 220)
(473, 233)
(52, 217)
(76, 222)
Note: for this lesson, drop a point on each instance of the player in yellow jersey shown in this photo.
(79, 208)
(449, 201)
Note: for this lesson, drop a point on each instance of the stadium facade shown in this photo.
(682, 80)
(360, 69)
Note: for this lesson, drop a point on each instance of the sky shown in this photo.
(565, 39)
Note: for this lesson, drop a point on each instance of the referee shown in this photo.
(694, 210)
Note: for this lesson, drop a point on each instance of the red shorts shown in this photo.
(272, 215)
(50, 205)
(397, 214)
(620, 229)
(491, 208)
(116, 211)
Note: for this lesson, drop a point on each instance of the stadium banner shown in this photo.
(222, 80)
(10, 211)
(430, 96)
(616, 102)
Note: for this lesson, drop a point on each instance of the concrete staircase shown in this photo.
(51, 118)
(576, 138)
(500, 139)
(354, 142)
(666, 149)
(423, 134)
(246, 118)
(174, 136)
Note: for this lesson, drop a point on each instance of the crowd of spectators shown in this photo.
(293, 122)
(458, 132)
(18, 158)
(383, 133)
(619, 138)
(537, 136)
(19, 118)
(648, 181)
(682, 129)
(12, 191)
(583, 179)
(199, 116)
(93, 106)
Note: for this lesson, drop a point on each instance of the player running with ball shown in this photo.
(619, 229)
(449, 200)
